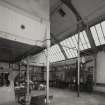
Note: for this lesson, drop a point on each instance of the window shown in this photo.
(55, 54)
(98, 32)
(70, 45)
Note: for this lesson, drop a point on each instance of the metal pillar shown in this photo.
(78, 83)
(48, 67)
(28, 79)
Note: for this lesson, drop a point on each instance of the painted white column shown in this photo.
(78, 83)
(48, 62)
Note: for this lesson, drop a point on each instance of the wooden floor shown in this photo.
(66, 97)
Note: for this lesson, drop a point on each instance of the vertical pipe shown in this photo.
(78, 93)
(47, 33)
(19, 73)
(28, 94)
(48, 67)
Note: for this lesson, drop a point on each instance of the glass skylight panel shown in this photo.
(73, 52)
(75, 42)
(66, 48)
(80, 44)
(72, 47)
(95, 36)
(71, 42)
(58, 53)
(68, 53)
(52, 56)
(69, 48)
(103, 28)
(83, 41)
(55, 54)
(100, 34)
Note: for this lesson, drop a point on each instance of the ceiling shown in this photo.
(30, 8)
(11, 51)
(32, 13)
(64, 16)
(66, 13)
(61, 26)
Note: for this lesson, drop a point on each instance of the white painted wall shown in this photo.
(10, 23)
(100, 71)
(100, 77)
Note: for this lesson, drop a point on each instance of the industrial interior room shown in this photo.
(52, 52)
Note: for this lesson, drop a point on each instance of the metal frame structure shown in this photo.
(98, 33)
(80, 45)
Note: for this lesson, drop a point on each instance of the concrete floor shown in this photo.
(66, 97)
(10, 103)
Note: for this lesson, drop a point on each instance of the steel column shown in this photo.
(28, 79)
(48, 42)
(48, 69)
(78, 83)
